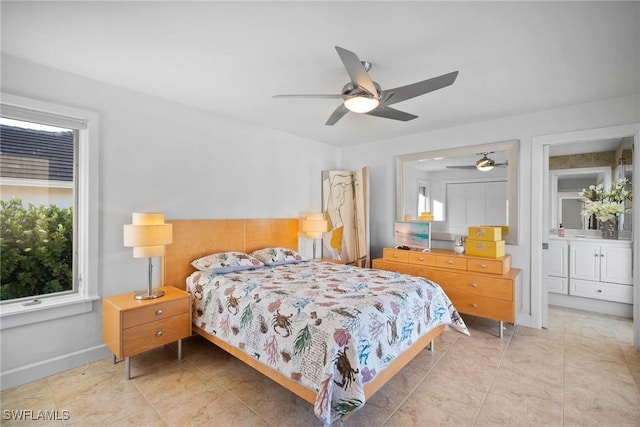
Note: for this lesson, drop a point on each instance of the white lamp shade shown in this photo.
(361, 103)
(313, 226)
(148, 234)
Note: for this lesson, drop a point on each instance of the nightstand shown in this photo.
(131, 326)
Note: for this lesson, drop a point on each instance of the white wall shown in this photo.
(157, 156)
(380, 157)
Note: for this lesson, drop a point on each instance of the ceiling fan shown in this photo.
(363, 95)
(484, 164)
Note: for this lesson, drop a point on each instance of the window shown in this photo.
(36, 209)
(48, 211)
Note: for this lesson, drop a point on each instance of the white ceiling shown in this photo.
(232, 57)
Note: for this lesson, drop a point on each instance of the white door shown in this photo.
(615, 265)
(585, 262)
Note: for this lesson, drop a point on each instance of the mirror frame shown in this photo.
(512, 149)
(554, 174)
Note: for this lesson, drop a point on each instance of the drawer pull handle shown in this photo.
(159, 312)
(474, 285)
(599, 291)
(159, 333)
(474, 305)
(450, 262)
(484, 266)
(395, 255)
(420, 259)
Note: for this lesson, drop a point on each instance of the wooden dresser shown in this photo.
(483, 287)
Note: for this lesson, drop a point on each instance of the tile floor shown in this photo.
(581, 371)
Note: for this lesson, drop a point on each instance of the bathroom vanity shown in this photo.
(590, 273)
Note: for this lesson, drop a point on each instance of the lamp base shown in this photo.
(149, 295)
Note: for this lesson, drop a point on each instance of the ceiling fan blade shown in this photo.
(337, 115)
(330, 96)
(391, 113)
(420, 88)
(356, 70)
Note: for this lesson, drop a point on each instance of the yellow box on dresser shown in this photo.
(478, 286)
(484, 232)
(485, 248)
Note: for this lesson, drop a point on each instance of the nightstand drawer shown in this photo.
(153, 334)
(151, 313)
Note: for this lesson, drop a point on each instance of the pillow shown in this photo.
(226, 262)
(278, 256)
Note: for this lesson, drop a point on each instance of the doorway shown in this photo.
(540, 218)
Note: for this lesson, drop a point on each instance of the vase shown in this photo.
(609, 228)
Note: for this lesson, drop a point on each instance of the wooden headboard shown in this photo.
(193, 239)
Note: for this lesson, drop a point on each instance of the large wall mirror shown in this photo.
(453, 186)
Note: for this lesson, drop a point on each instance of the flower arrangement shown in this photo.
(606, 205)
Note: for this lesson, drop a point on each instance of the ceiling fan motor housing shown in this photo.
(351, 89)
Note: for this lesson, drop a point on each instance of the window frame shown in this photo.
(18, 313)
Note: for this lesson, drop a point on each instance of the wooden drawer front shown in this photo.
(397, 255)
(601, 290)
(477, 305)
(454, 262)
(422, 258)
(492, 266)
(153, 334)
(150, 313)
(397, 267)
(473, 284)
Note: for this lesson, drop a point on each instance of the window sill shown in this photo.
(18, 314)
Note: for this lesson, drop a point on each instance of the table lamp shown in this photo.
(313, 225)
(148, 234)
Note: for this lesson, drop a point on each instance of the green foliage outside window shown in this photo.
(36, 249)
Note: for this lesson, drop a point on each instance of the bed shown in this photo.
(332, 334)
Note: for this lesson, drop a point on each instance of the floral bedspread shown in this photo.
(330, 327)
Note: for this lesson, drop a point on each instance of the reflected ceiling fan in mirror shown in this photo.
(363, 95)
(484, 164)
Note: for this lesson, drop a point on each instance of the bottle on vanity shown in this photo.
(560, 231)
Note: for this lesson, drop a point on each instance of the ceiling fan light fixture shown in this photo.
(361, 103)
(485, 164)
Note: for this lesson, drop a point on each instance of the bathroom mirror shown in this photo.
(566, 203)
(448, 184)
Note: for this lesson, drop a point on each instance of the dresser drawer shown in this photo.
(601, 290)
(397, 267)
(491, 266)
(139, 316)
(453, 261)
(153, 334)
(473, 284)
(477, 305)
(422, 258)
(397, 255)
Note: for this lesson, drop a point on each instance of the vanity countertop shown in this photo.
(587, 238)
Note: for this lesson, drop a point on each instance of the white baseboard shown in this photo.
(590, 304)
(45, 368)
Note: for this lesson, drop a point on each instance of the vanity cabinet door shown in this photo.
(558, 259)
(585, 261)
(615, 265)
